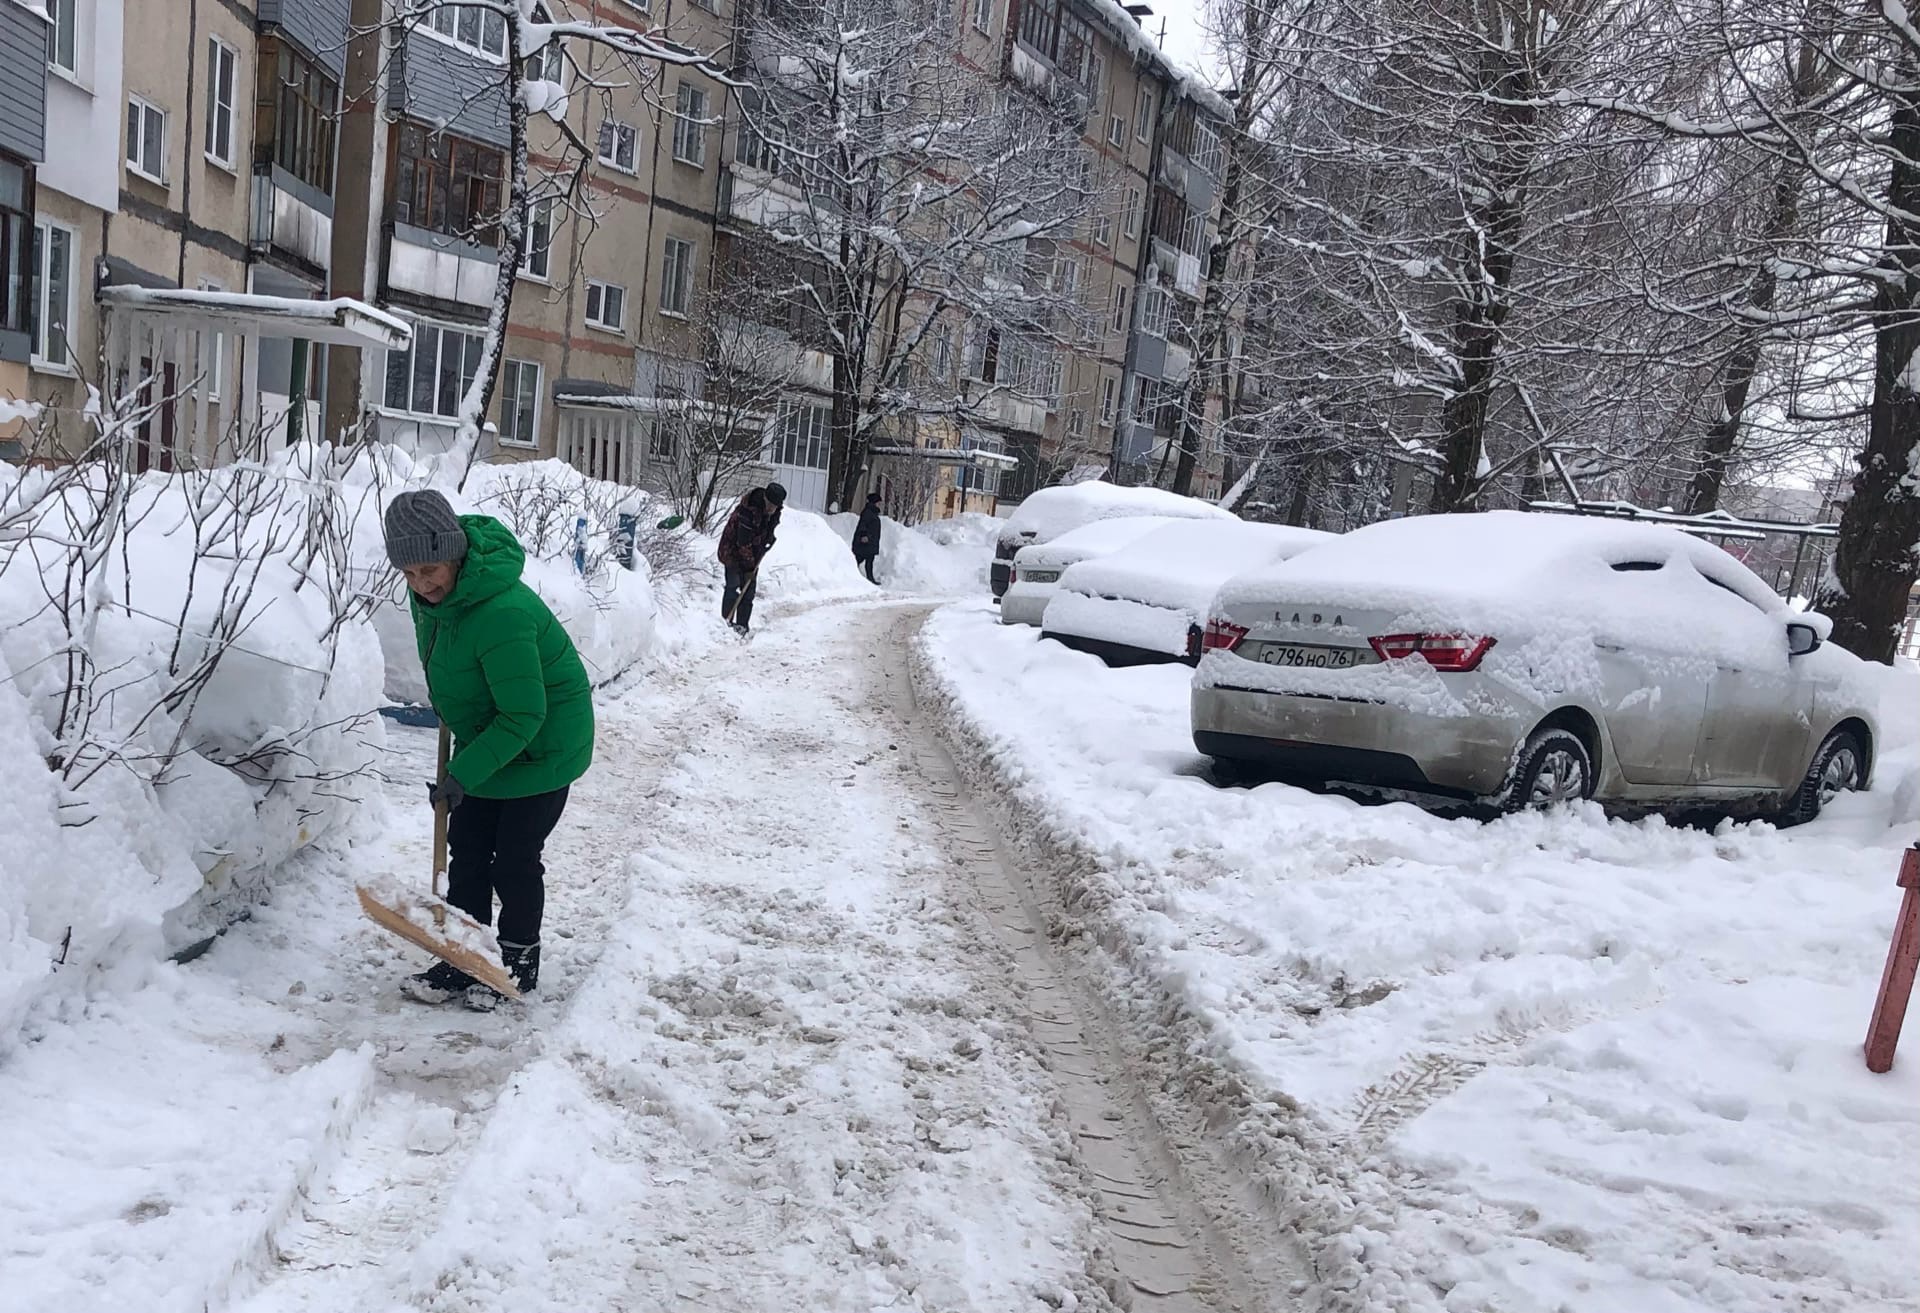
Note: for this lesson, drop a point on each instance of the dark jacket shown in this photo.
(866, 534)
(503, 674)
(748, 535)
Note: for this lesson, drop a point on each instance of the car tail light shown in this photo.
(1450, 653)
(1222, 635)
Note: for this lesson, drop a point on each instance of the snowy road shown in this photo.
(802, 1042)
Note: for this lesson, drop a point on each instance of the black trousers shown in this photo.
(866, 564)
(496, 845)
(741, 586)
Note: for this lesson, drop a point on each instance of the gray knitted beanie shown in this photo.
(422, 529)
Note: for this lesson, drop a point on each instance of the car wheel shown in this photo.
(1555, 769)
(1227, 772)
(1838, 767)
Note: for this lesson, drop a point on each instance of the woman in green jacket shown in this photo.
(505, 678)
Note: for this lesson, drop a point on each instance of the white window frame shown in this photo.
(547, 64)
(441, 332)
(676, 276)
(1077, 422)
(689, 128)
(1096, 83)
(136, 151)
(1143, 114)
(518, 370)
(1103, 230)
(800, 430)
(216, 51)
(443, 24)
(1109, 400)
(1116, 129)
(1206, 148)
(597, 319)
(1117, 309)
(1053, 378)
(1156, 311)
(983, 17)
(530, 253)
(43, 307)
(620, 131)
(1134, 200)
(63, 28)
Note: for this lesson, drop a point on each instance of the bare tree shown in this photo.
(920, 195)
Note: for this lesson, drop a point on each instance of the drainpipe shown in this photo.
(186, 163)
(1143, 258)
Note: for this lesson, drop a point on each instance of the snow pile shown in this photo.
(1555, 1061)
(1051, 512)
(809, 562)
(189, 690)
(942, 558)
(609, 611)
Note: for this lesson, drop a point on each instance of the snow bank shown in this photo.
(943, 557)
(809, 562)
(190, 682)
(1549, 1062)
(1053, 511)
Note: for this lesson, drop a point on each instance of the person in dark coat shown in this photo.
(744, 543)
(866, 536)
(506, 680)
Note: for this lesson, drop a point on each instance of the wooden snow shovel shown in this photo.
(428, 921)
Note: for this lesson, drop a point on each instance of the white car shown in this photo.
(1037, 569)
(1533, 659)
(1148, 602)
(1050, 512)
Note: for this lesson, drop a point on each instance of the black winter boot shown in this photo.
(523, 964)
(436, 984)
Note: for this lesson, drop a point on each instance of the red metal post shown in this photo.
(1896, 982)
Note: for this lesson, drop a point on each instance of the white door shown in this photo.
(797, 446)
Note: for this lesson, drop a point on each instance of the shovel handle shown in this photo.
(440, 813)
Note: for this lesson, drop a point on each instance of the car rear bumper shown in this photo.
(1025, 604)
(1357, 741)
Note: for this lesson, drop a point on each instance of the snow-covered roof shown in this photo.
(569, 393)
(341, 321)
(1123, 27)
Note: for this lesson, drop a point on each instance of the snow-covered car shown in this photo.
(1148, 602)
(1037, 569)
(1529, 660)
(1050, 512)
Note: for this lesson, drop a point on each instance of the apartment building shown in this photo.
(23, 102)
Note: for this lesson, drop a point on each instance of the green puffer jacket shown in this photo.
(503, 675)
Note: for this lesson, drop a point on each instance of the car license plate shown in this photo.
(1308, 656)
(1039, 576)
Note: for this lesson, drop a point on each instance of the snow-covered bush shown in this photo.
(190, 682)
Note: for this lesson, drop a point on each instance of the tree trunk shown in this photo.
(1874, 562)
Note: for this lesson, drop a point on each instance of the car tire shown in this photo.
(1230, 772)
(1554, 769)
(1837, 767)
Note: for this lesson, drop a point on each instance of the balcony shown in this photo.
(1186, 274)
(1008, 413)
(1173, 171)
(1178, 364)
(1166, 256)
(754, 196)
(1030, 70)
(290, 219)
(441, 268)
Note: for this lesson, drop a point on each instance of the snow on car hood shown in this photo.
(1051, 512)
(1181, 566)
(1101, 538)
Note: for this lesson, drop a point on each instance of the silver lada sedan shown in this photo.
(1529, 660)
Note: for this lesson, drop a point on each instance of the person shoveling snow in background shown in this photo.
(866, 537)
(504, 677)
(744, 543)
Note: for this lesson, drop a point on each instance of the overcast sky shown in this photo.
(1185, 44)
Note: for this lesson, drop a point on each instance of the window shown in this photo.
(1117, 129)
(62, 34)
(619, 145)
(295, 108)
(801, 437)
(752, 150)
(147, 140)
(606, 305)
(545, 64)
(1103, 229)
(676, 277)
(16, 248)
(1143, 114)
(1065, 278)
(1206, 148)
(1156, 311)
(483, 31)
(661, 445)
(1076, 56)
(1052, 378)
(447, 185)
(1096, 84)
(1119, 308)
(690, 125)
(984, 478)
(983, 15)
(223, 65)
(432, 376)
(1077, 422)
(520, 403)
(1133, 212)
(53, 249)
(1040, 25)
(537, 248)
(941, 354)
(1109, 399)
